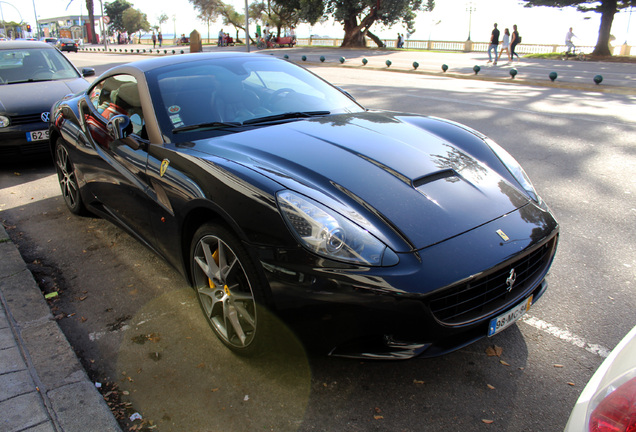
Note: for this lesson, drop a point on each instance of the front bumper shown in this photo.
(14, 144)
(434, 301)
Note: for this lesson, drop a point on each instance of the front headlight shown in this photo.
(329, 234)
(514, 168)
(4, 121)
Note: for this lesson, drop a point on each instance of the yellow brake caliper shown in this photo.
(215, 256)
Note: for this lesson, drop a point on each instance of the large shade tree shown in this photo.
(280, 13)
(284, 14)
(607, 9)
(115, 11)
(134, 21)
(358, 16)
(210, 10)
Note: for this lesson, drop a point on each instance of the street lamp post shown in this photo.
(470, 8)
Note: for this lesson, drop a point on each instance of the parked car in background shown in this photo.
(381, 234)
(33, 76)
(608, 401)
(65, 44)
(49, 40)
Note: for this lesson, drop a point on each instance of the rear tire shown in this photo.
(67, 177)
(229, 290)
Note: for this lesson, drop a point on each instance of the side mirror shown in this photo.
(119, 129)
(88, 71)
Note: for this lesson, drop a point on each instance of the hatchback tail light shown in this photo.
(617, 411)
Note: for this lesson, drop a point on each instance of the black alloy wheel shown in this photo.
(67, 178)
(228, 289)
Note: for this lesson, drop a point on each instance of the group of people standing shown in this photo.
(155, 38)
(509, 43)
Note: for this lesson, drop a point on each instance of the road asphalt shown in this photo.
(43, 386)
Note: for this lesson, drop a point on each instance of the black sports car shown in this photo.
(388, 235)
(33, 76)
(66, 44)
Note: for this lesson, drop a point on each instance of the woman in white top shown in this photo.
(505, 45)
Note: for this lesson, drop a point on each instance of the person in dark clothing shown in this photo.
(516, 39)
(494, 43)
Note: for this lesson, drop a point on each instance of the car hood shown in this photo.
(37, 97)
(424, 187)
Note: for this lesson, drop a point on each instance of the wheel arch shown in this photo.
(193, 220)
(54, 135)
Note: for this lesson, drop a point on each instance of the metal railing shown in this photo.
(457, 46)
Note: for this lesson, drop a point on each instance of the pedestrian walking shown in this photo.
(505, 45)
(568, 40)
(494, 43)
(160, 39)
(154, 40)
(516, 40)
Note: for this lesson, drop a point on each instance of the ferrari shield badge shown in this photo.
(502, 234)
(164, 167)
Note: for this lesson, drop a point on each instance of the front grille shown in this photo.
(27, 149)
(26, 119)
(489, 292)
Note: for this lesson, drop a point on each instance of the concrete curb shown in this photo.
(43, 386)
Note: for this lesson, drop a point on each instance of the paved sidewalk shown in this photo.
(43, 386)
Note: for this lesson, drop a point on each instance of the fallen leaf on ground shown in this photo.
(558, 365)
(378, 417)
(504, 363)
(487, 421)
(571, 383)
(491, 387)
(418, 381)
(494, 350)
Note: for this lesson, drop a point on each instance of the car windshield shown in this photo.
(34, 64)
(233, 93)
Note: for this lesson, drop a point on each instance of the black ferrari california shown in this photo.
(33, 76)
(389, 235)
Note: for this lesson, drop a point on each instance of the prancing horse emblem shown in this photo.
(512, 278)
(164, 167)
(503, 235)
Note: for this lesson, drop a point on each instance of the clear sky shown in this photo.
(449, 20)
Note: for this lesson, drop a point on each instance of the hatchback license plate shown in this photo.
(40, 135)
(504, 320)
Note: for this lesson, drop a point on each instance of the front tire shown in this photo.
(67, 177)
(229, 289)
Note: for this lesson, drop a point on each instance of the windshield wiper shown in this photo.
(210, 125)
(286, 116)
(29, 80)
